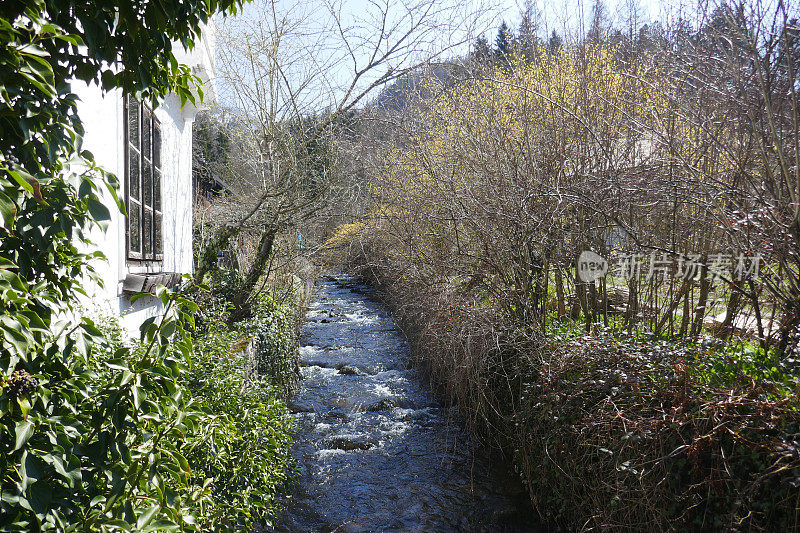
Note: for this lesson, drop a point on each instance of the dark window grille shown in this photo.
(143, 234)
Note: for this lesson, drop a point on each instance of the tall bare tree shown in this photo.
(291, 73)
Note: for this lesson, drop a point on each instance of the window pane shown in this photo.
(133, 173)
(147, 126)
(147, 184)
(156, 144)
(157, 190)
(157, 245)
(143, 180)
(134, 228)
(148, 233)
(133, 121)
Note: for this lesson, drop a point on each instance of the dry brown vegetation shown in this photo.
(656, 402)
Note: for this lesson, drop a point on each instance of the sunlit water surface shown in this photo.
(375, 450)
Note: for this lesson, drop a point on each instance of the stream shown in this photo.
(376, 451)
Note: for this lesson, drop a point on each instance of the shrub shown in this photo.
(98, 428)
(270, 336)
(634, 433)
(247, 451)
(238, 376)
(273, 349)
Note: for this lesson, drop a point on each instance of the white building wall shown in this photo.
(103, 119)
(176, 183)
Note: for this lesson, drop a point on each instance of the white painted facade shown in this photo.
(104, 123)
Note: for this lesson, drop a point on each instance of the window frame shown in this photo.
(150, 250)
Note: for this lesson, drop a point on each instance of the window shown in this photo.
(142, 182)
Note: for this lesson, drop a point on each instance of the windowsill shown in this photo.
(148, 281)
(133, 266)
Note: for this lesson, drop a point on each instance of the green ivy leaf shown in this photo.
(98, 210)
(8, 210)
(163, 525)
(24, 431)
(23, 179)
(148, 514)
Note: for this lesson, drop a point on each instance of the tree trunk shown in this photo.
(580, 292)
(561, 306)
(762, 339)
(592, 303)
(789, 329)
(673, 306)
(686, 312)
(700, 310)
(241, 300)
(544, 278)
(730, 313)
(633, 304)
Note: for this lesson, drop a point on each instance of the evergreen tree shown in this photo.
(482, 52)
(555, 43)
(598, 29)
(726, 32)
(503, 42)
(528, 28)
(684, 35)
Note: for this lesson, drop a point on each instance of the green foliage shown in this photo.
(503, 42)
(628, 431)
(738, 364)
(275, 340)
(273, 329)
(246, 451)
(91, 430)
(247, 454)
(96, 443)
(728, 365)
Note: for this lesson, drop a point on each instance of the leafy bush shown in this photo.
(275, 338)
(93, 431)
(190, 439)
(239, 374)
(247, 452)
(622, 433)
(271, 334)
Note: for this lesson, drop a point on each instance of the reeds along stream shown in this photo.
(375, 450)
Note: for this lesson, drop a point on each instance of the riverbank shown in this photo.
(611, 431)
(244, 372)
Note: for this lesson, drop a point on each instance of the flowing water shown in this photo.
(375, 450)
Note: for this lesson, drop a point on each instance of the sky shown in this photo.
(325, 42)
(556, 15)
